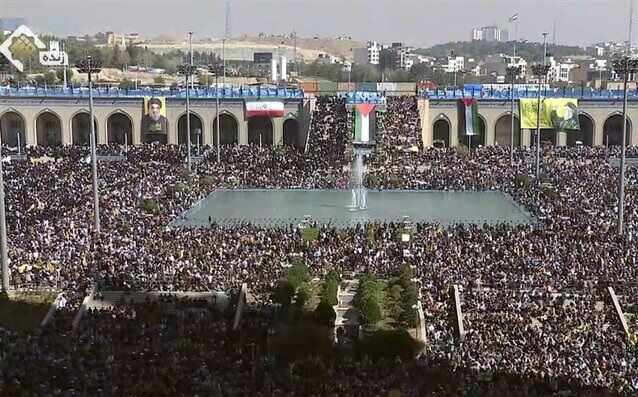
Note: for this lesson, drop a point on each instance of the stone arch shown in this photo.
(228, 129)
(197, 128)
(81, 129)
(48, 127)
(291, 135)
(503, 130)
(441, 130)
(586, 133)
(119, 125)
(261, 131)
(12, 125)
(612, 130)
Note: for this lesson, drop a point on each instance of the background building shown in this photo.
(490, 33)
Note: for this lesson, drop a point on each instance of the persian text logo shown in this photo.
(21, 44)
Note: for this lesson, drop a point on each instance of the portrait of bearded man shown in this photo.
(154, 122)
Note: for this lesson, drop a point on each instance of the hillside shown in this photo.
(480, 49)
(341, 47)
(242, 48)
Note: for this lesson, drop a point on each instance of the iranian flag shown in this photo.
(362, 122)
(470, 114)
(264, 108)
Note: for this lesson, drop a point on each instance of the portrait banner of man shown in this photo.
(154, 121)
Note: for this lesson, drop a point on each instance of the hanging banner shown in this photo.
(528, 109)
(363, 122)
(154, 120)
(563, 113)
(469, 116)
(556, 113)
(264, 108)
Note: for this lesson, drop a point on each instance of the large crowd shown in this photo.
(538, 318)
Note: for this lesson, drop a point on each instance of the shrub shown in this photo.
(543, 177)
(208, 181)
(370, 311)
(522, 180)
(309, 234)
(368, 299)
(298, 274)
(179, 187)
(325, 314)
(551, 193)
(373, 181)
(330, 291)
(149, 205)
(303, 295)
(394, 181)
(284, 293)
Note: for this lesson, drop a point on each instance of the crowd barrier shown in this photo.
(224, 93)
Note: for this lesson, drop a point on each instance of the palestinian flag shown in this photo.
(362, 122)
(469, 115)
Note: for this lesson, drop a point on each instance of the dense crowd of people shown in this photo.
(537, 315)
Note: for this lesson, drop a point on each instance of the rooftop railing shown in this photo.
(209, 93)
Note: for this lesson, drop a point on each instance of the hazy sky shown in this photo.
(417, 23)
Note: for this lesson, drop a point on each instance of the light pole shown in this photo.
(190, 49)
(89, 66)
(624, 66)
(187, 70)
(224, 60)
(512, 72)
(539, 71)
(216, 70)
(3, 233)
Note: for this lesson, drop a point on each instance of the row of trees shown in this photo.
(395, 300)
(528, 50)
(294, 295)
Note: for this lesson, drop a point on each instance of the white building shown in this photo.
(477, 34)
(559, 71)
(516, 61)
(454, 64)
(369, 55)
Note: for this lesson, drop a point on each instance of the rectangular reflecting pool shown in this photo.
(282, 207)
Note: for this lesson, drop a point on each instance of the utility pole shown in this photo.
(90, 66)
(217, 69)
(190, 49)
(626, 66)
(3, 232)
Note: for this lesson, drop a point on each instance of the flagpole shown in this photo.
(513, 76)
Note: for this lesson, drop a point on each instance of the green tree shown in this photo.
(284, 293)
(298, 273)
(127, 84)
(50, 78)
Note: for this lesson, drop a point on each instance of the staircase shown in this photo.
(347, 315)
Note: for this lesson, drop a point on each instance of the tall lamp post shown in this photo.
(624, 66)
(187, 71)
(216, 70)
(512, 72)
(540, 71)
(3, 234)
(89, 66)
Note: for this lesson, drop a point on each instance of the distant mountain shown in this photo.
(530, 51)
